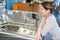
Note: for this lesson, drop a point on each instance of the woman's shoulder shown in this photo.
(51, 18)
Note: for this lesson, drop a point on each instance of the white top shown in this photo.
(52, 27)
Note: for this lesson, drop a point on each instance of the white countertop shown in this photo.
(16, 35)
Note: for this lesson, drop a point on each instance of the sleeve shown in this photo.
(42, 23)
(47, 27)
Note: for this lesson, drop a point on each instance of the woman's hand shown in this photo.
(37, 37)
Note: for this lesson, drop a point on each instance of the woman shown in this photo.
(48, 22)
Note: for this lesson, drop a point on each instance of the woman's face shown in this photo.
(42, 11)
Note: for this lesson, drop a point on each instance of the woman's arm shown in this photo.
(42, 23)
(38, 36)
(48, 26)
